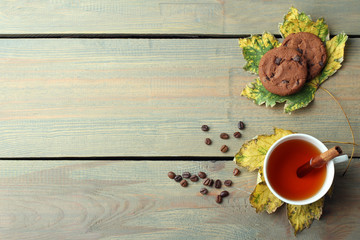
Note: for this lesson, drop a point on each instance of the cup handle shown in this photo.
(340, 159)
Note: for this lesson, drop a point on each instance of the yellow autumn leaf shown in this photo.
(301, 216)
(254, 47)
(295, 21)
(262, 199)
(252, 153)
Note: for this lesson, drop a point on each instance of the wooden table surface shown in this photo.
(100, 99)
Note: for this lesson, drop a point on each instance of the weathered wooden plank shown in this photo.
(143, 97)
(167, 17)
(136, 200)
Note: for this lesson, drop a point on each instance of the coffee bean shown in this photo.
(208, 182)
(178, 178)
(205, 128)
(299, 50)
(204, 191)
(186, 175)
(224, 148)
(296, 58)
(184, 183)
(228, 183)
(241, 125)
(237, 134)
(194, 178)
(202, 175)
(171, 175)
(208, 141)
(236, 172)
(277, 61)
(321, 63)
(218, 183)
(218, 199)
(224, 194)
(285, 81)
(224, 136)
(211, 183)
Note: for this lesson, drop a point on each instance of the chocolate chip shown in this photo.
(184, 183)
(237, 134)
(205, 128)
(194, 178)
(297, 82)
(285, 81)
(224, 136)
(241, 125)
(178, 178)
(186, 175)
(272, 75)
(218, 183)
(267, 78)
(299, 50)
(311, 64)
(171, 175)
(224, 194)
(277, 61)
(228, 183)
(224, 148)
(218, 199)
(208, 141)
(321, 63)
(202, 175)
(296, 58)
(236, 172)
(204, 191)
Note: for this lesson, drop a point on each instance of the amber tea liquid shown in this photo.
(282, 166)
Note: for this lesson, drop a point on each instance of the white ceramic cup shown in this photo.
(330, 171)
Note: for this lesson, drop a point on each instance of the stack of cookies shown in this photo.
(285, 70)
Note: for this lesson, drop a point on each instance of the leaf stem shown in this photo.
(347, 119)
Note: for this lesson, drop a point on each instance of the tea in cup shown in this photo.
(283, 159)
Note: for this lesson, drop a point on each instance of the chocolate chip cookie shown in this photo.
(283, 71)
(311, 47)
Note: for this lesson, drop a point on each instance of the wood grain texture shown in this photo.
(144, 97)
(136, 200)
(168, 17)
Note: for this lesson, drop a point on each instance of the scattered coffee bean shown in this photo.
(224, 148)
(277, 61)
(224, 136)
(194, 178)
(218, 183)
(285, 81)
(204, 191)
(208, 182)
(299, 50)
(178, 178)
(224, 194)
(205, 128)
(296, 58)
(241, 125)
(237, 134)
(321, 63)
(236, 172)
(202, 175)
(184, 183)
(218, 199)
(228, 183)
(171, 175)
(186, 175)
(208, 141)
